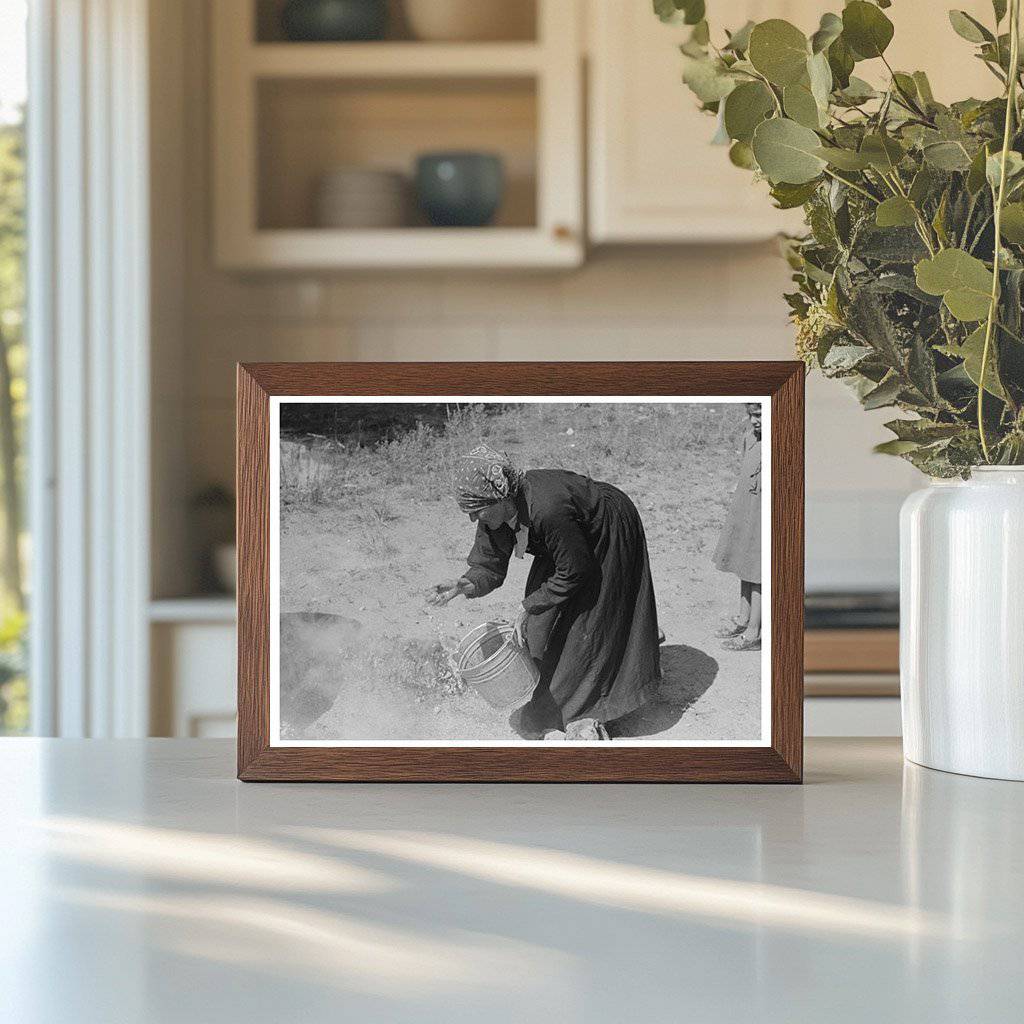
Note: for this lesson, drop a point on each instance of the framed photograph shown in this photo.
(520, 571)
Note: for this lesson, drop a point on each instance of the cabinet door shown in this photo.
(925, 41)
(654, 176)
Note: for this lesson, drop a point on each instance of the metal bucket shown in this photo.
(495, 666)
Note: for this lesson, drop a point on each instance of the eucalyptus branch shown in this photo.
(894, 183)
(1011, 109)
(909, 100)
(995, 71)
(770, 88)
(853, 185)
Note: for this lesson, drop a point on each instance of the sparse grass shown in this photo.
(606, 441)
(375, 542)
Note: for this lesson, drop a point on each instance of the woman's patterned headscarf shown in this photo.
(484, 477)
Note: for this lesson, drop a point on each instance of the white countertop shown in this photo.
(140, 882)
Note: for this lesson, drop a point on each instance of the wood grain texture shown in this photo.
(787, 622)
(852, 650)
(253, 533)
(780, 762)
(851, 684)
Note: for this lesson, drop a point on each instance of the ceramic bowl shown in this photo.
(470, 20)
(359, 197)
(333, 21)
(460, 189)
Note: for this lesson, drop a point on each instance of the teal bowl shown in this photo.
(460, 189)
(334, 21)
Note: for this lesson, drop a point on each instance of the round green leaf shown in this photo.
(707, 79)
(801, 106)
(895, 212)
(971, 351)
(787, 152)
(896, 447)
(690, 12)
(924, 87)
(976, 173)
(788, 197)
(993, 166)
(968, 28)
(819, 75)
(840, 62)
(947, 156)
(1012, 223)
(829, 30)
(779, 51)
(745, 108)
(963, 281)
(844, 159)
(883, 152)
(858, 91)
(740, 39)
(741, 155)
(866, 29)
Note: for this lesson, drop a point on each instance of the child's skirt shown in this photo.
(739, 547)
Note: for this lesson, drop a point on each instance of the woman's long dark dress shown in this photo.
(593, 624)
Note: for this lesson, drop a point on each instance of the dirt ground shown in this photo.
(366, 531)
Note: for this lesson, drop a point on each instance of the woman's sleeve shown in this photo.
(575, 564)
(488, 561)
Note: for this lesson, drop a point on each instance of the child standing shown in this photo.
(739, 547)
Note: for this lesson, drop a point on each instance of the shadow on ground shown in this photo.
(686, 673)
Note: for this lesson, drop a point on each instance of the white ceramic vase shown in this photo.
(962, 624)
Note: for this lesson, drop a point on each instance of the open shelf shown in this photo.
(307, 128)
(287, 114)
(519, 24)
(389, 60)
(406, 248)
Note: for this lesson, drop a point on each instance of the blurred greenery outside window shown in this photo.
(14, 539)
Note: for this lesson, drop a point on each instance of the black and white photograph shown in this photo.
(515, 571)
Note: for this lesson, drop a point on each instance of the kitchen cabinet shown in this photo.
(654, 177)
(192, 645)
(288, 114)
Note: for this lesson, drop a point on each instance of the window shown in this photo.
(14, 693)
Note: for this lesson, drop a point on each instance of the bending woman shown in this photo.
(588, 617)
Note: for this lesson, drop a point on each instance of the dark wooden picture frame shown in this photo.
(781, 761)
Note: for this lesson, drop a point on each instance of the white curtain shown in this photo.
(88, 384)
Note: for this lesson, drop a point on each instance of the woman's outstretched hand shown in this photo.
(444, 592)
(519, 628)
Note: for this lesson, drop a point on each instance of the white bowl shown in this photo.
(471, 20)
(364, 179)
(362, 198)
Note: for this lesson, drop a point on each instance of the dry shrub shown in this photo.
(430, 667)
(375, 542)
